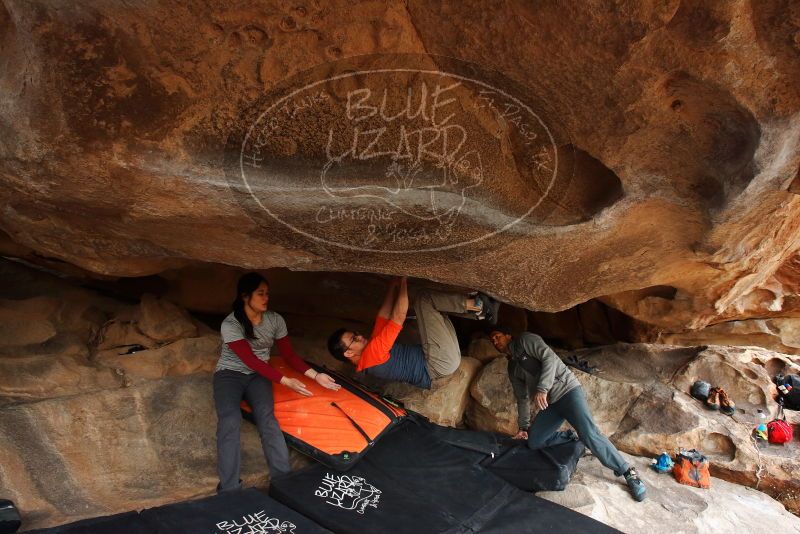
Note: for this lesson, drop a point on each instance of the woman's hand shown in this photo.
(521, 435)
(295, 385)
(326, 381)
(540, 400)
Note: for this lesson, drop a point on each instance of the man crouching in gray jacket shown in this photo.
(534, 369)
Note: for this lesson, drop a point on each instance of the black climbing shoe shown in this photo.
(10, 520)
(635, 484)
(489, 308)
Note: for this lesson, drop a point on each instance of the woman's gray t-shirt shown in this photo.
(272, 327)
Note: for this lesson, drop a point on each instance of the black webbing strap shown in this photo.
(356, 425)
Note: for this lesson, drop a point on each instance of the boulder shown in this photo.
(608, 401)
(447, 399)
(181, 357)
(670, 507)
(666, 418)
(44, 340)
(43, 376)
(779, 334)
(26, 322)
(163, 321)
(492, 406)
(38, 309)
(482, 350)
(121, 334)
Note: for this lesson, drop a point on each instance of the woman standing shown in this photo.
(248, 335)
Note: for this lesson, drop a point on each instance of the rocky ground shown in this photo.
(671, 508)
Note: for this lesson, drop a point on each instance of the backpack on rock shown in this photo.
(788, 391)
(691, 468)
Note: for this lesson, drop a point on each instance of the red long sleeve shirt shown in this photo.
(245, 353)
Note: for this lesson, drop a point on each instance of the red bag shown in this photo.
(779, 431)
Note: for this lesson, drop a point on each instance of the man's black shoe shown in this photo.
(489, 308)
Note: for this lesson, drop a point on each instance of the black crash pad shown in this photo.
(412, 483)
(248, 511)
(238, 512)
(125, 523)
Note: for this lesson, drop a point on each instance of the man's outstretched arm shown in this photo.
(400, 308)
(385, 310)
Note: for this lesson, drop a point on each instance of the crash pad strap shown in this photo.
(356, 425)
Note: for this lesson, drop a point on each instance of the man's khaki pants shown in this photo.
(439, 341)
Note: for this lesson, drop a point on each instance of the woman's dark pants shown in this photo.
(229, 389)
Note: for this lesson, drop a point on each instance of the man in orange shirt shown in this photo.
(418, 364)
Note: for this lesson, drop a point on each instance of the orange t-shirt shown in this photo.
(383, 336)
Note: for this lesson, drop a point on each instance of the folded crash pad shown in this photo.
(548, 469)
(411, 482)
(336, 428)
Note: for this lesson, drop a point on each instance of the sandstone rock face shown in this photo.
(745, 374)
(87, 431)
(447, 399)
(671, 507)
(780, 335)
(42, 376)
(162, 321)
(120, 449)
(482, 350)
(26, 323)
(57, 346)
(663, 154)
(182, 357)
(493, 407)
(609, 405)
(120, 334)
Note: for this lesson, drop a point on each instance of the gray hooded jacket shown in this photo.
(534, 367)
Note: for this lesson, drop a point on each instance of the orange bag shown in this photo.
(691, 468)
